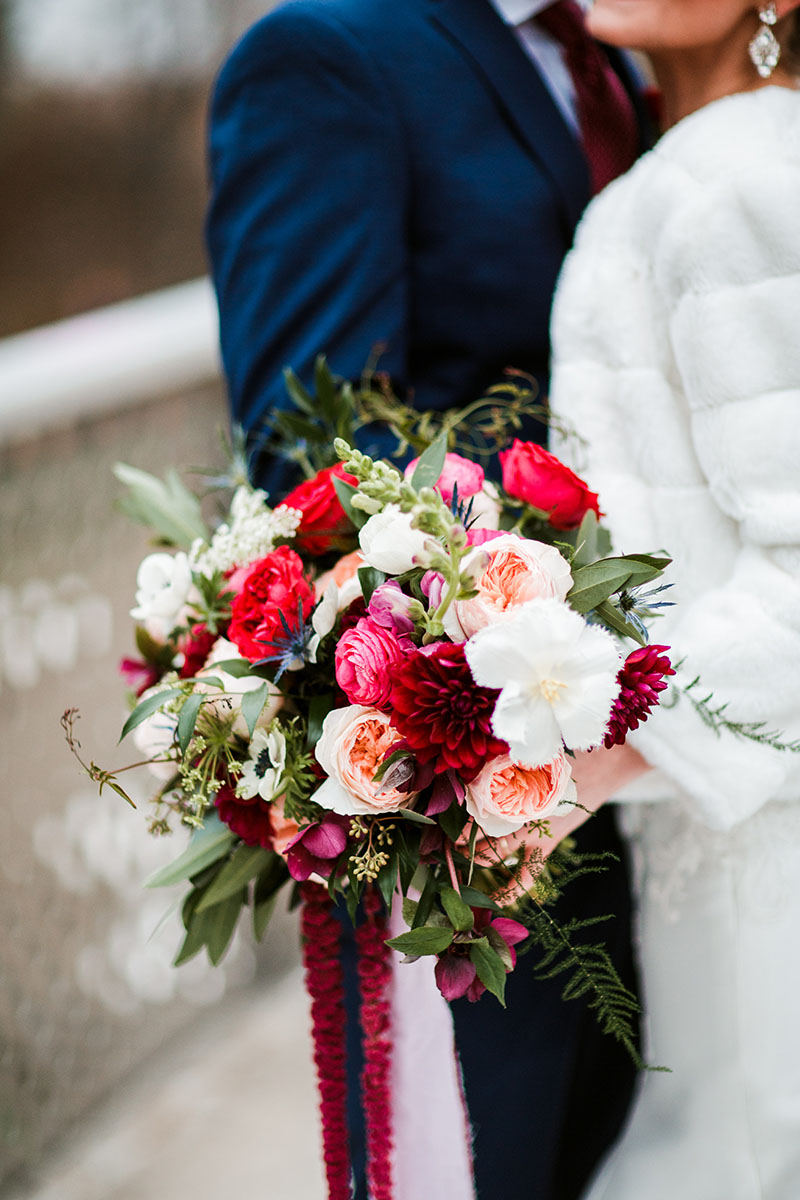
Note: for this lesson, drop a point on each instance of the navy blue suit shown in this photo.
(396, 172)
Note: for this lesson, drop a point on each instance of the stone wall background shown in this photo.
(87, 992)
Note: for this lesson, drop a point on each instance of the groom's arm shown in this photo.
(307, 224)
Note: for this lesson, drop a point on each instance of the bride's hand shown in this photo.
(598, 775)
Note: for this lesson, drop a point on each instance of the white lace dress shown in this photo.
(677, 361)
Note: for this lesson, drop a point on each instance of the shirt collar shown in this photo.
(514, 12)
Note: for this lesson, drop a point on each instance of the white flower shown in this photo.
(557, 675)
(163, 584)
(154, 737)
(389, 543)
(228, 700)
(263, 772)
(252, 533)
(485, 512)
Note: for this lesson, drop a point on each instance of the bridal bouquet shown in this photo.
(369, 693)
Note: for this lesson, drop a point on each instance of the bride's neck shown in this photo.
(689, 81)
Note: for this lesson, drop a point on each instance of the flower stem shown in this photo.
(451, 866)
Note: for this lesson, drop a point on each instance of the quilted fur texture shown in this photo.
(676, 334)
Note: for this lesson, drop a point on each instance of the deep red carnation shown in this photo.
(640, 680)
(442, 713)
(533, 474)
(273, 587)
(195, 647)
(324, 520)
(248, 819)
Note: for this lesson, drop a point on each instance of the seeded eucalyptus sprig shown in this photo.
(380, 484)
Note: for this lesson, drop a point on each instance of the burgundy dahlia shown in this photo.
(640, 680)
(248, 819)
(442, 713)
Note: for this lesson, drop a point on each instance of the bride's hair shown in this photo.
(793, 41)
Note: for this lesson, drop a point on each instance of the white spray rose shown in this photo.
(163, 585)
(389, 543)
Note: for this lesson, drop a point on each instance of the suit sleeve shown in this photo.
(306, 228)
(730, 265)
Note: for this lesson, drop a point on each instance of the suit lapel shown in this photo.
(478, 29)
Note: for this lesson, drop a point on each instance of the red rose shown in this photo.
(324, 520)
(532, 474)
(273, 591)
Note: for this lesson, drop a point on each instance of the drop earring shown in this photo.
(765, 49)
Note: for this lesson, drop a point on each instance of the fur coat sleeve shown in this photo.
(677, 361)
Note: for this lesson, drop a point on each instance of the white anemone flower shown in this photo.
(163, 585)
(557, 675)
(263, 772)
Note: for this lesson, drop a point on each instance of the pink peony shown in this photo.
(506, 795)
(366, 657)
(519, 570)
(457, 472)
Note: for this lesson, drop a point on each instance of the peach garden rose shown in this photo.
(519, 570)
(507, 795)
(354, 742)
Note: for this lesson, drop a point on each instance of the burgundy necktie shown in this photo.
(605, 113)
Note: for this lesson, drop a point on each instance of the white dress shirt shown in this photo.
(544, 51)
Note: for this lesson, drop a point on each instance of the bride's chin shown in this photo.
(619, 22)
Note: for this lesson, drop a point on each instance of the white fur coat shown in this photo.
(676, 336)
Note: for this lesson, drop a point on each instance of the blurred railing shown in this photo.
(86, 986)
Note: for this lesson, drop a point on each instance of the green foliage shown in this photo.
(459, 913)
(244, 864)
(207, 845)
(597, 581)
(147, 707)
(167, 507)
(752, 731)
(253, 705)
(422, 940)
(431, 464)
(490, 968)
(370, 578)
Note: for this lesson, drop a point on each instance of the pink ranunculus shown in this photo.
(518, 570)
(353, 745)
(389, 606)
(366, 657)
(457, 472)
(506, 795)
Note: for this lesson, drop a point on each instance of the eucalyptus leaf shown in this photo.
(236, 667)
(416, 818)
(387, 880)
(327, 390)
(489, 967)
(421, 941)
(147, 707)
(244, 864)
(345, 491)
(166, 506)
(207, 845)
(220, 924)
(586, 541)
(253, 705)
(459, 913)
(409, 910)
(262, 915)
(300, 396)
(188, 719)
(614, 619)
(597, 581)
(431, 464)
